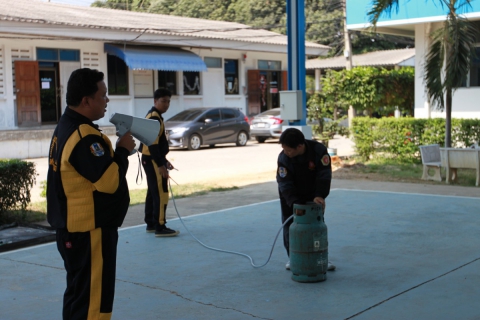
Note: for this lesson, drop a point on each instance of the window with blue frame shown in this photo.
(168, 80)
(191, 83)
(269, 65)
(69, 55)
(474, 73)
(117, 76)
(231, 76)
(213, 62)
(472, 78)
(52, 54)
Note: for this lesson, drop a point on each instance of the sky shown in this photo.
(86, 3)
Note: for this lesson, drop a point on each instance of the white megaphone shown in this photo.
(145, 130)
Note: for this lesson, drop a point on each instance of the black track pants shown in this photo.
(157, 195)
(90, 262)
(287, 212)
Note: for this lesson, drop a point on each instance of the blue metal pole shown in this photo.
(296, 52)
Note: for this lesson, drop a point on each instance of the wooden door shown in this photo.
(254, 93)
(27, 85)
(284, 80)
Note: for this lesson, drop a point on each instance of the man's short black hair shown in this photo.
(292, 138)
(160, 93)
(82, 83)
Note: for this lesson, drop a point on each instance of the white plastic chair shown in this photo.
(431, 160)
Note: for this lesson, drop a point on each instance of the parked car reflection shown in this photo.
(195, 127)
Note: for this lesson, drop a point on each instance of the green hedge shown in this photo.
(400, 138)
(17, 177)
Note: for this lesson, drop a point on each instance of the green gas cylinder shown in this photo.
(308, 244)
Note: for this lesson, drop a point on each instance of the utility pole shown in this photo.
(347, 52)
(296, 69)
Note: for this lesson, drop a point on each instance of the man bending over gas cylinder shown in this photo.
(304, 174)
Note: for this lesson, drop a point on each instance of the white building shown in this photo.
(204, 63)
(418, 19)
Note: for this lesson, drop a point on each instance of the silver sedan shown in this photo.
(266, 125)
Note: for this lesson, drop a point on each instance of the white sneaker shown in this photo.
(287, 266)
(331, 266)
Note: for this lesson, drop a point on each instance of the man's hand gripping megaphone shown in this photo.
(126, 141)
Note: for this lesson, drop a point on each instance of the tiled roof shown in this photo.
(373, 59)
(37, 12)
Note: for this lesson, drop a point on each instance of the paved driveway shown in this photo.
(225, 165)
(398, 256)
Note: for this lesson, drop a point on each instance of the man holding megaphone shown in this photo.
(87, 197)
(156, 168)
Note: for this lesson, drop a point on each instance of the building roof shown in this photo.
(384, 58)
(142, 24)
(403, 17)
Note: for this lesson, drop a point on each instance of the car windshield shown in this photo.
(270, 113)
(186, 115)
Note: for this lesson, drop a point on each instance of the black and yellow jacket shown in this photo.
(86, 186)
(159, 149)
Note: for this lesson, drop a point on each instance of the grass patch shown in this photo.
(181, 191)
(26, 216)
(392, 170)
(37, 211)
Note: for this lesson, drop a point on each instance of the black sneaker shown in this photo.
(166, 232)
(150, 229)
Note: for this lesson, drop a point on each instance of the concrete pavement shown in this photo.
(403, 251)
(399, 255)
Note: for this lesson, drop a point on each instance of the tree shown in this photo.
(448, 57)
(131, 5)
(370, 89)
(323, 19)
(163, 7)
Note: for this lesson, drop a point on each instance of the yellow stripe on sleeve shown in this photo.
(109, 181)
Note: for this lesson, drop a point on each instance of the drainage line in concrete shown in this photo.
(414, 287)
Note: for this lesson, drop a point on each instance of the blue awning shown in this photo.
(150, 58)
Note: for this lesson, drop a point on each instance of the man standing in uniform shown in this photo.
(304, 174)
(87, 197)
(156, 168)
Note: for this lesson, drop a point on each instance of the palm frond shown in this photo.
(433, 70)
(380, 7)
(449, 55)
(462, 6)
(462, 37)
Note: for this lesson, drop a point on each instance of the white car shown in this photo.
(266, 125)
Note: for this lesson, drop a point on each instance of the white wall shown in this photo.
(421, 43)
(10, 47)
(465, 100)
(465, 104)
(30, 145)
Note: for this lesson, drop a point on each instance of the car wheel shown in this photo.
(242, 138)
(194, 142)
(260, 139)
